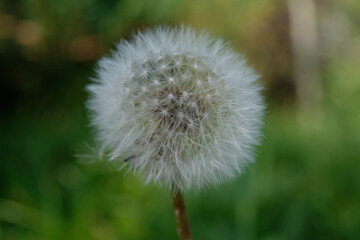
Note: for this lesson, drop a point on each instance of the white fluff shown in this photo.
(181, 108)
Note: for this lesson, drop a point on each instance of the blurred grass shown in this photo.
(304, 185)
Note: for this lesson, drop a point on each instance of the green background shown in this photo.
(304, 185)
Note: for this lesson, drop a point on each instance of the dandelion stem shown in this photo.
(182, 222)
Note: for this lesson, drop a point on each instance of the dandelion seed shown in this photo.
(192, 142)
(164, 112)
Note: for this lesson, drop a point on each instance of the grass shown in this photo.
(304, 185)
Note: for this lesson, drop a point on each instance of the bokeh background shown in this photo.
(305, 183)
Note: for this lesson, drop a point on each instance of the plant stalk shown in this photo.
(182, 222)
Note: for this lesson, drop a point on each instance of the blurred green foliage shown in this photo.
(304, 185)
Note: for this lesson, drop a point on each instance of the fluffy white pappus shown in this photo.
(179, 107)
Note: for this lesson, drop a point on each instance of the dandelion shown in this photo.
(178, 107)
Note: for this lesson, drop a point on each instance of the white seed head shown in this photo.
(204, 134)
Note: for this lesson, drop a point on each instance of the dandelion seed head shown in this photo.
(195, 111)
